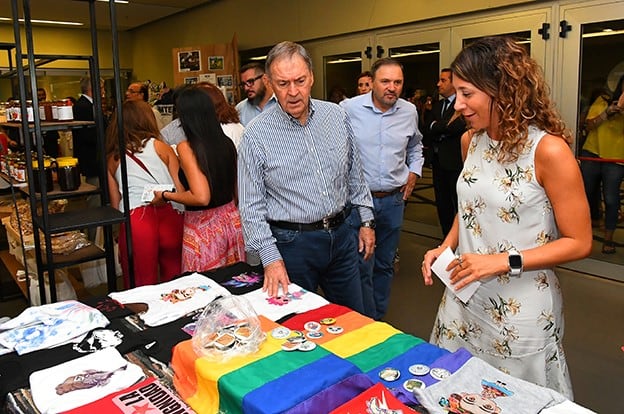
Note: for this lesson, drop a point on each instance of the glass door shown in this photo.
(591, 68)
(422, 52)
(524, 26)
(338, 63)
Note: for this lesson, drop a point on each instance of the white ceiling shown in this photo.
(129, 16)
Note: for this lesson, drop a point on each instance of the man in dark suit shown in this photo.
(85, 142)
(85, 139)
(444, 128)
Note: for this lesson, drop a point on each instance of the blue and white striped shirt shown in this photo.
(297, 173)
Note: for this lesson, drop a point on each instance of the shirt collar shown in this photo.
(289, 117)
(368, 103)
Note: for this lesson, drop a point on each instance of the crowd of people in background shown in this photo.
(316, 189)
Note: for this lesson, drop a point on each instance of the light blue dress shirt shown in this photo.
(297, 173)
(390, 142)
(248, 111)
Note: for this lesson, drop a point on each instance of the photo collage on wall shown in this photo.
(213, 70)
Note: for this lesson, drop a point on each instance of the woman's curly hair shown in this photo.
(504, 70)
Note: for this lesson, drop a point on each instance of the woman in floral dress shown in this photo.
(521, 199)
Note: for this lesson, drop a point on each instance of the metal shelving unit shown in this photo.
(103, 215)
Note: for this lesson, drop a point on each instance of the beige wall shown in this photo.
(266, 22)
(49, 40)
(147, 50)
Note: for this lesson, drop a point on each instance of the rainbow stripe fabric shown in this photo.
(273, 380)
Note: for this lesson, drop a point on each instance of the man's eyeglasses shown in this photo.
(249, 83)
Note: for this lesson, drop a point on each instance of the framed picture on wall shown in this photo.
(216, 63)
(208, 77)
(225, 80)
(189, 61)
(190, 81)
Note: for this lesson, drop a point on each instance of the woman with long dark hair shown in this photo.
(156, 226)
(212, 228)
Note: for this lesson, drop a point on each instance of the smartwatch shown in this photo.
(515, 262)
(368, 224)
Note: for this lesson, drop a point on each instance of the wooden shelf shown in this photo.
(56, 193)
(13, 266)
(51, 126)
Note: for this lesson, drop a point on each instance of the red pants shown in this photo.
(156, 244)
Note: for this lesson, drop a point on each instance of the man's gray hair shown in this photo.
(287, 49)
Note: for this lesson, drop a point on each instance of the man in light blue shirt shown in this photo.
(259, 92)
(299, 176)
(386, 132)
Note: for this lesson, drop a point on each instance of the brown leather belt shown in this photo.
(328, 223)
(382, 194)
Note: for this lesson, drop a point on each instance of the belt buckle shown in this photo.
(326, 223)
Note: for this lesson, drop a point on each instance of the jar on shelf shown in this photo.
(45, 111)
(14, 111)
(20, 171)
(65, 110)
(68, 173)
(29, 111)
(47, 171)
(3, 111)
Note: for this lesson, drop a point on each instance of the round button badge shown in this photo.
(328, 321)
(412, 384)
(314, 335)
(335, 330)
(440, 373)
(312, 326)
(418, 369)
(280, 332)
(389, 374)
(307, 346)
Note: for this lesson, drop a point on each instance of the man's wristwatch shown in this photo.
(368, 224)
(515, 262)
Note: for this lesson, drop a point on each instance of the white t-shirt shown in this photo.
(170, 301)
(298, 300)
(50, 325)
(82, 380)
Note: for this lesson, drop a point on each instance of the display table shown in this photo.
(345, 363)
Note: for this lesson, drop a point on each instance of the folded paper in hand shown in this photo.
(148, 191)
(439, 268)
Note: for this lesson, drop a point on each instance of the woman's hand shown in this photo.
(428, 260)
(469, 267)
(158, 199)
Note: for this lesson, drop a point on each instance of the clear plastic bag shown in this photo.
(228, 327)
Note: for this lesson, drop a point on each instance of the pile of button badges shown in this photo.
(299, 341)
(390, 374)
(229, 337)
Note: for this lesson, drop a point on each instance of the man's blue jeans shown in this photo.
(377, 272)
(325, 258)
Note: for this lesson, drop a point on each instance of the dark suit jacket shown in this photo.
(85, 139)
(445, 137)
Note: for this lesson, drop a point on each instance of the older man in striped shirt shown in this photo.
(299, 175)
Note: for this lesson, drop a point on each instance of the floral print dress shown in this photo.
(513, 322)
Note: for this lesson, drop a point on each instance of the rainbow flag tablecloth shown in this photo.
(274, 381)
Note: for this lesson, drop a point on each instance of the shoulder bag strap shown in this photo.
(140, 163)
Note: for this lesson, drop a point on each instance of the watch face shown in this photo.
(515, 261)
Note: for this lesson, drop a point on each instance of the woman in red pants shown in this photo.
(156, 226)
